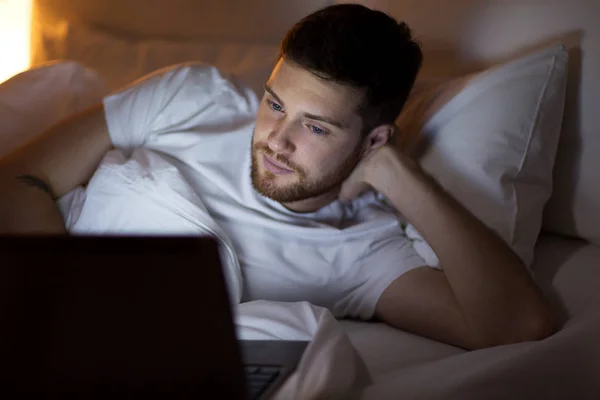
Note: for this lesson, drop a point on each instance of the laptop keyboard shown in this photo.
(259, 378)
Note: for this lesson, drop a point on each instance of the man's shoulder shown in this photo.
(194, 82)
(192, 70)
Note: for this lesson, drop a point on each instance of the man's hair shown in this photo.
(366, 49)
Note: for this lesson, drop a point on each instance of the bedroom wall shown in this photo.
(262, 21)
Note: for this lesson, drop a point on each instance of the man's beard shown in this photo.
(303, 188)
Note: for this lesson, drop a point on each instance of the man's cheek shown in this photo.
(261, 129)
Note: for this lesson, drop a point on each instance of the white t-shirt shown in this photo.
(341, 257)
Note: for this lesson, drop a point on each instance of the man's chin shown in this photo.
(285, 193)
(283, 188)
(268, 188)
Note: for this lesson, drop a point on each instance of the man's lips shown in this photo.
(275, 167)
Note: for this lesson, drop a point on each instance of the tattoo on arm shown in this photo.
(34, 181)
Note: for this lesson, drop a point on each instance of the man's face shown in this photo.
(307, 137)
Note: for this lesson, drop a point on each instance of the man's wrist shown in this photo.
(401, 180)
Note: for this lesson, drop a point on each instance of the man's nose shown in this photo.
(280, 139)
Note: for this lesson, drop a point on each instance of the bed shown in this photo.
(126, 39)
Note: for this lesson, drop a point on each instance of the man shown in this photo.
(292, 182)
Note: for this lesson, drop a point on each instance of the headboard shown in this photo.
(124, 39)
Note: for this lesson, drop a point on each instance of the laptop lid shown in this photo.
(102, 315)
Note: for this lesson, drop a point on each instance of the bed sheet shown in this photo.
(330, 367)
(563, 366)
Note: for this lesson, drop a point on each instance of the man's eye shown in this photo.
(274, 106)
(316, 130)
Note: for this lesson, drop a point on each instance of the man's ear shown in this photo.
(377, 137)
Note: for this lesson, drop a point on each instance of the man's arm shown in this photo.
(483, 297)
(34, 176)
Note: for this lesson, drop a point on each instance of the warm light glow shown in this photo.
(15, 25)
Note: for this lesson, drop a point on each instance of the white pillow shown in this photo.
(491, 141)
(34, 100)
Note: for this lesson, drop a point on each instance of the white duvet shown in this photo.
(144, 194)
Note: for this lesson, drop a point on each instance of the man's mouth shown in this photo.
(274, 167)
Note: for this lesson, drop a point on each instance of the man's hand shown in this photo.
(483, 297)
(377, 171)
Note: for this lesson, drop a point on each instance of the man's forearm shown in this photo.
(492, 286)
(26, 208)
(34, 176)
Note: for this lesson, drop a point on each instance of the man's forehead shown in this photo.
(296, 84)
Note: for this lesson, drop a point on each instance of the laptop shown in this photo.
(117, 316)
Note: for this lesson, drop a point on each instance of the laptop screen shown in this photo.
(105, 315)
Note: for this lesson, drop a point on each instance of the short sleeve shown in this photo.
(175, 99)
(389, 258)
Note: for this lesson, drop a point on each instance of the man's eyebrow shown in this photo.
(324, 119)
(272, 93)
(307, 115)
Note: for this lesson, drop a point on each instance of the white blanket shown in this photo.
(145, 194)
(330, 368)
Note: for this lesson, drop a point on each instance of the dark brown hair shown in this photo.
(363, 48)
